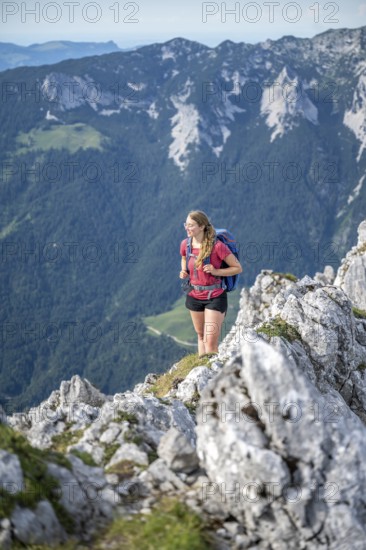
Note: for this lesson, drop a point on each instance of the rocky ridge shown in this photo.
(265, 442)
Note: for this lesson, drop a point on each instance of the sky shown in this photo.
(142, 22)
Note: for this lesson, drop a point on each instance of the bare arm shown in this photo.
(183, 273)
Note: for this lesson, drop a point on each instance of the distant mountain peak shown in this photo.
(355, 117)
(284, 100)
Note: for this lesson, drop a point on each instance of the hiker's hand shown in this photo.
(209, 269)
(183, 274)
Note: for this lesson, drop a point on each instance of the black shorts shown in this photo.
(218, 304)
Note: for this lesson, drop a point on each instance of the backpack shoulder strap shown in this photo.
(188, 251)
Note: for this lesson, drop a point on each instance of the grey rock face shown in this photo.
(77, 402)
(255, 307)
(130, 452)
(277, 462)
(84, 495)
(327, 277)
(11, 475)
(255, 303)
(39, 526)
(79, 390)
(194, 383)
(155, 418)
(177, 452)
(351, 275)
(160, 476)
(331, 348)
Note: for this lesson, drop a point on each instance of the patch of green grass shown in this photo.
(61, 441)
(109, 451)
(124, 469)
(84, 456)
(152, 456)
(176, 322)
(38, 483)
(122, 416)
(192, 405)
(67, 136)
(289, 276)
(170, 526)
(279, 327)
(359, 313)
(361, 367)
(167, 381)
(132, 437)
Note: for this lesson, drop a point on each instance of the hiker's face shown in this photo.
(192, 227)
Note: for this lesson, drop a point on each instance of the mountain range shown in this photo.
(13, 55)
(102, 157)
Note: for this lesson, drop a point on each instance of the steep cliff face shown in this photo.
(265, 442)
(351, 273)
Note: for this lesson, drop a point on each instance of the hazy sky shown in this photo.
(147, 21)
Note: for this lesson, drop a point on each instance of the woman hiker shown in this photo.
(207, 306)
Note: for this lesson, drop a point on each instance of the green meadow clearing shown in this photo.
(68, 136)
(177, 321)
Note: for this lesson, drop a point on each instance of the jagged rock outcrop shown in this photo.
(255, 302)
(275, 461)
(330, 346)
(351, 275)
(326, 277)
(266, 441)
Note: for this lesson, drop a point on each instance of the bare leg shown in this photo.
(198, 319)
(212, 328)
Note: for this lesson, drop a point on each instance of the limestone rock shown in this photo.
(155, 418)
(39, 526)
(331, 353)
(130, 452)
(146, 385)
(80, 390)
(351, 275)
(255, 307)
(83, 495)
(160, 476)
(327, 277)
(193, 384)
(11, 474)
(177, 452)
(282, 466)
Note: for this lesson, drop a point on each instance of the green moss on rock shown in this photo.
(359, 313)
(61, 441)
(279, 327)
(84, 456)
(289, 276)
(38, 483)
(171, 525)
(169, 380)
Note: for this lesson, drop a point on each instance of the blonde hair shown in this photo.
(209, 235)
